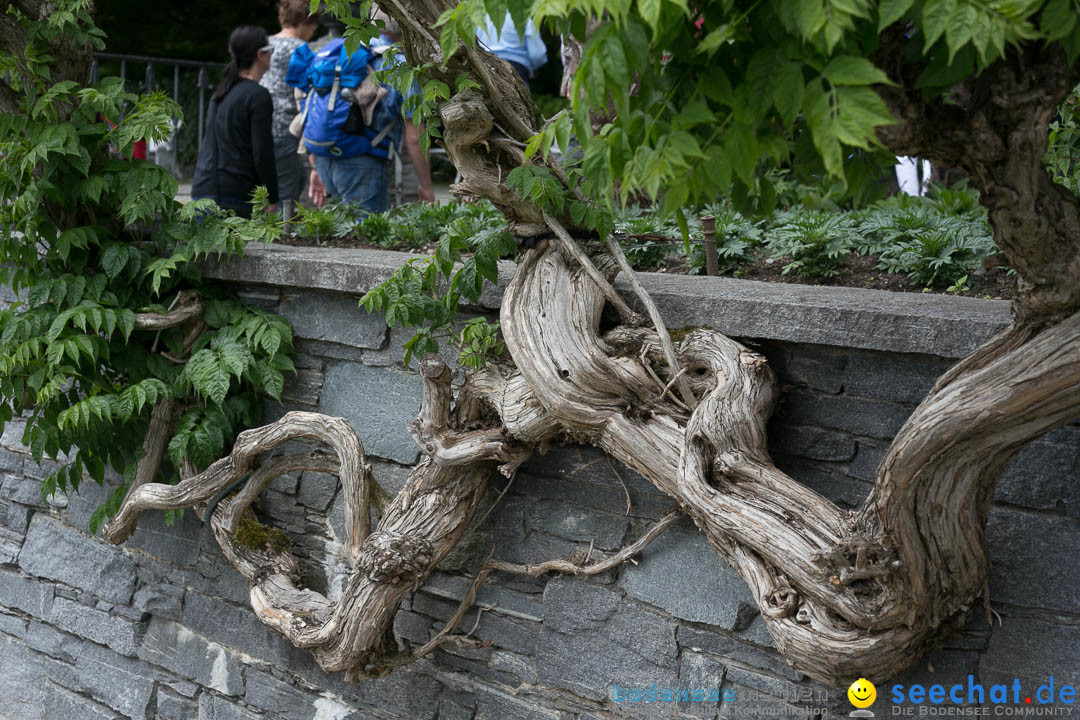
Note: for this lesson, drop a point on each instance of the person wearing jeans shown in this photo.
(360, 179)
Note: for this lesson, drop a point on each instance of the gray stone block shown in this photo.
(876, 419)
(404, 693)
(46, 639)
(705, 674)
(450, 710)
(332, 351)
(897, 378)
(519, 666)
(118, 633)
(513, 634)
(492, 597)
(60, 703)
(212, 707)
(27, 594)
(258, 296)
(175, 648)
(11, 438)
(764, 683)
(10, 545)
(1031, 650)
(494, 705)
(333, 318)
(287, 702)
(15, 516)
(750, 702)
(11, 462)
(812, 366)
(178, 545)
(119, 682)
(24, 679)
(26, 489)
(174, 707)
(379, 403)
(317, 490)
(593, 637)
(160, 600)
(101, 570)
(730, 648)
(1043, 474)
(576, 524)
(1033, 560)
(237, 628)
(868, 458)
(709, 591)
(13, 625)
(811, 442)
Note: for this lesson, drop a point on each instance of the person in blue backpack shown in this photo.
(351, 125)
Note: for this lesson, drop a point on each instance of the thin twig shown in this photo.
(570, 567)
(571, 246)
(444, 635)
(624, 488)
(682, 371)
(657, 320)
(496, 503)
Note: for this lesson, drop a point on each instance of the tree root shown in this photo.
(580, 566)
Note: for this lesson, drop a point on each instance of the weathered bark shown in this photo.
(843, 594)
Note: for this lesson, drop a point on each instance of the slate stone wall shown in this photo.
(161, 628)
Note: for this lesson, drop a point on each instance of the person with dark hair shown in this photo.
(237, 153)
(297, 27)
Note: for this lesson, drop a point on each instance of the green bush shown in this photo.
(816, 241)
(1062, 157)
(737, 238)
(90, 239)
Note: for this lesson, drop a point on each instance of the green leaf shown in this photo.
(209, 377)
(1058, 19)
(610, 53)
(740, 144)
(889, 11)
(650, 13)
(235, 357)
(961, 25)
(851, 70)
(817, 108)
(716, 38)
(788, 92)
(936, 15)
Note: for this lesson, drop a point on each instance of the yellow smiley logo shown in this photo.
(862, 693)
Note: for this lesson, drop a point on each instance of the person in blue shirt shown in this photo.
(526, 54)
(415, 182)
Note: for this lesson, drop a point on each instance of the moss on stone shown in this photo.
(253, 535)
(678, 334)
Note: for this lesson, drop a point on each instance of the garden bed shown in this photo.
(938, 244)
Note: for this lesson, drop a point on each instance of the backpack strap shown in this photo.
(335, 88)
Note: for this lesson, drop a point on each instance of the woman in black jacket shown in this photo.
(237, 154)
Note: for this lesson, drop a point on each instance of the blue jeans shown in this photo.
(360, 180)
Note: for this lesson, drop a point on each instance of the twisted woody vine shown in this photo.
(674, 101)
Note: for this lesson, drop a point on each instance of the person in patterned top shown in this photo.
(297, 27)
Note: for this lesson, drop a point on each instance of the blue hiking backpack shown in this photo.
(333, 126)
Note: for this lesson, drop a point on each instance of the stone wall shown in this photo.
(161, 628)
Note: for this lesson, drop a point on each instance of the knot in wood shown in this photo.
(388, 558)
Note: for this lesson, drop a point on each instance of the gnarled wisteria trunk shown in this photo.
(843, 594)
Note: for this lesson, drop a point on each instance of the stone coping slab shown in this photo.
(940, 325)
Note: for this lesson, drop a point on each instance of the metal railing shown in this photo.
(150, 81)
